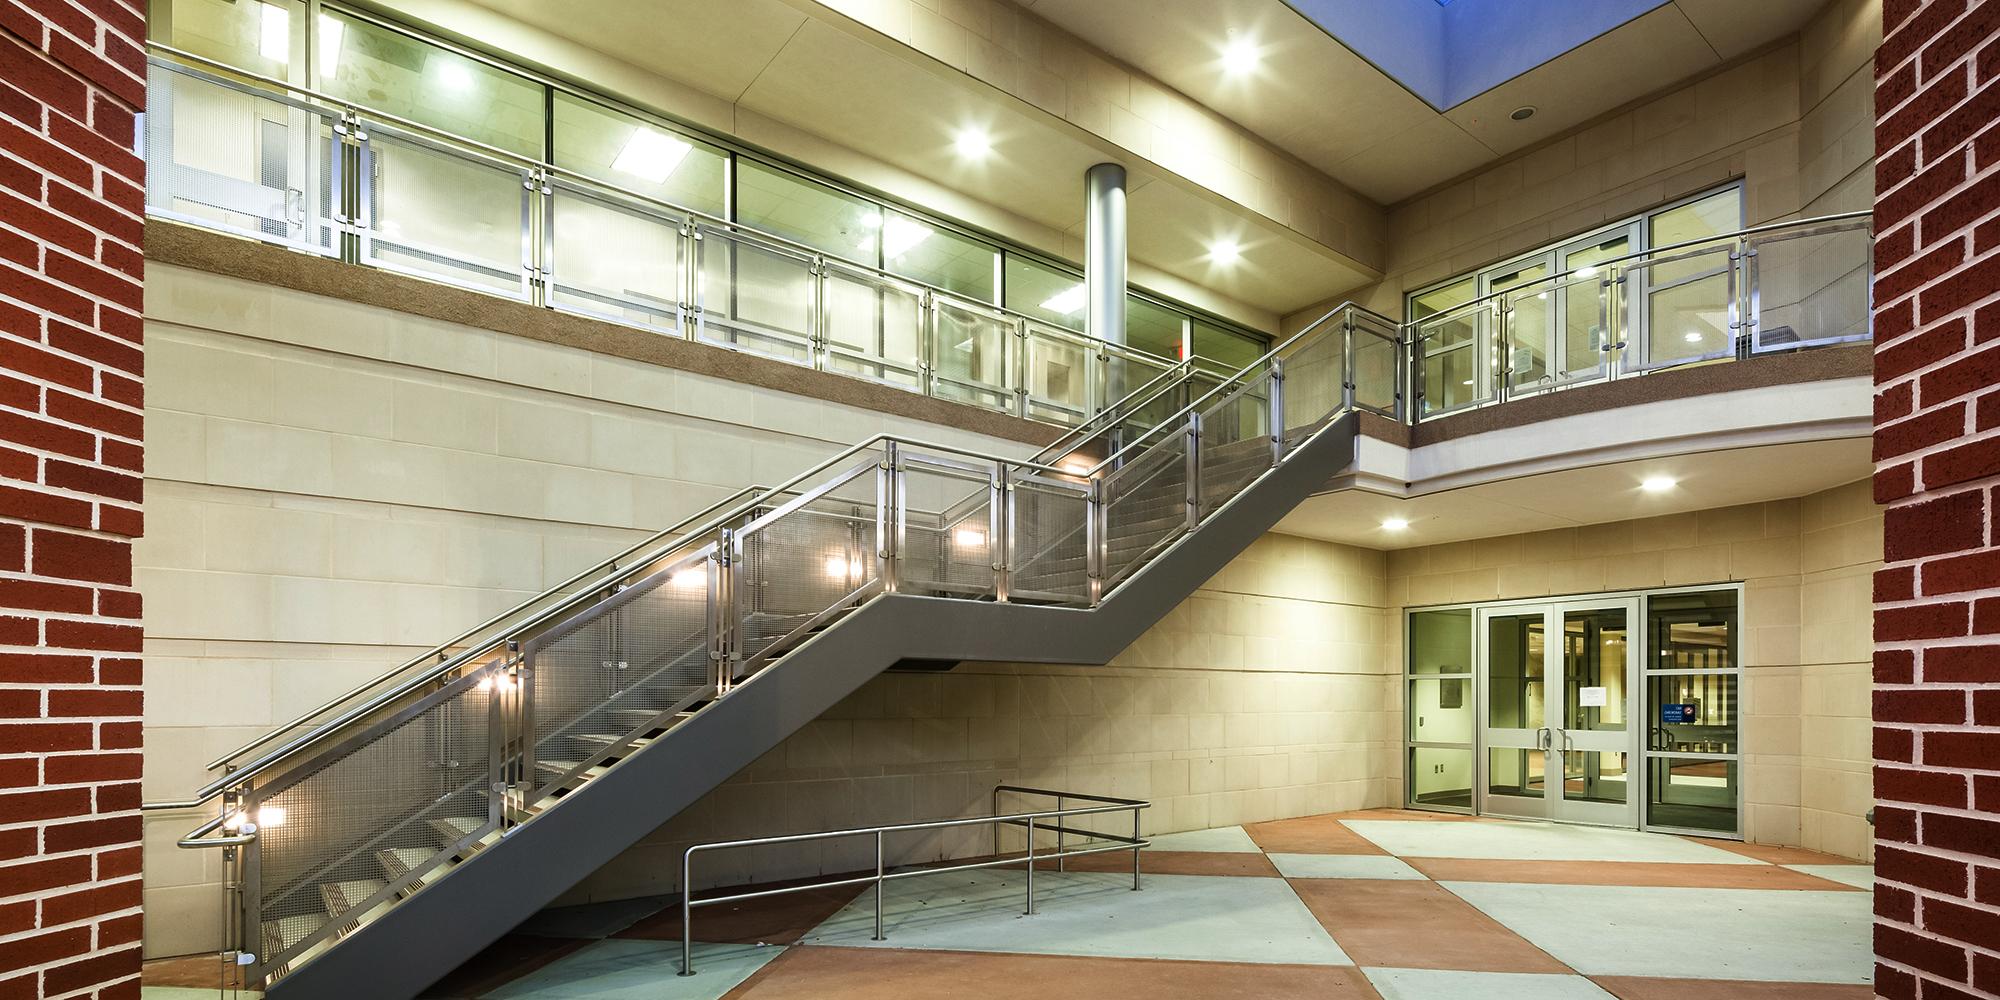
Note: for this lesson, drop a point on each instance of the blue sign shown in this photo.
(1677, 713)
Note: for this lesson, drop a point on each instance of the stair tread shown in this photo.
(341, 897)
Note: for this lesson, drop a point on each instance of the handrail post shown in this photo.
(1135, 848)
(1094, 540)
(1193, 460)
(888, 515)
(687, 913)
(999, 530)
(1346, 362)
(1062, 863)
(1031, 866)
(1276, 405)
(878, 887)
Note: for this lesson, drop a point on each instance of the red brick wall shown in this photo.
(72, 75)
(1937, 451)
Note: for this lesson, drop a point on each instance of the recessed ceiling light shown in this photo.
(1658, 484)
(1224, 251)
(1241, 54)
(1523, 113)
(1394, 524)
(1066, 302)
(650, 156)
(972, 143)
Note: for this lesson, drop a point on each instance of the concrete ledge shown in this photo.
(200, 249)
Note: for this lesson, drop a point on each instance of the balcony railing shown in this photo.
(259, 158)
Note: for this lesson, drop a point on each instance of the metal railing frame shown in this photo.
(883, 874)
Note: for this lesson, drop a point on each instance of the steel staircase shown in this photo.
(385, 838)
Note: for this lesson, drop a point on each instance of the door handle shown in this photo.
(1544, 739)
(1569, 745)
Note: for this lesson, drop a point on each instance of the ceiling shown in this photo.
(819, 75)
(1590, 495)
(1317, 99)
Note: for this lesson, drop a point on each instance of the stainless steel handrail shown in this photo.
(1768, 227)
(1134, 843)
(228, 71)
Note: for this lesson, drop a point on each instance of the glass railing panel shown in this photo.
(947, 546)
(1048, 538)
(872, 326)
(1145, 504)
(348, 829)
(969, 353)
(251, 164)
(815, 553)
(600, 679)
(443, 213)
(754, 295)
(1124, 371)
(1235, 445)
(1056, 370)
(1686, 306)
(1375, 359)
(614, 258)
(1553, 332)
(1314, 375)
(1808, 287)
(1456, 358)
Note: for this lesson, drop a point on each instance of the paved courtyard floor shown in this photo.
(1383, 904)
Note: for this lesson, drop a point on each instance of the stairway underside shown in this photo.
(474, 903)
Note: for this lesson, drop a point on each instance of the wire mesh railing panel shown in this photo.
(249, 164)
(1056, 371)
(1145, 504)
(872, 327)
(947, 544)
(754, 296)
(970, 351)
(1313, 385)
(1235, 443)
(816, 554)
(444, 213)
(370, 816)
(1049, 539)
(641, 285)
(639, 653)
(1809, 288)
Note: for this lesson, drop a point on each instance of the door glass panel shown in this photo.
(1516, 773)
(1514, 687)
(1594, 646)
(1693, 713)
(1440, 710)
(1692, 793)
(1692, 631)
(1441, 642)
(1594, 776)
(1441, 776)
(1528, 327)
(1585, 310)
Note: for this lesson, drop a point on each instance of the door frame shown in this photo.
(1639, 659)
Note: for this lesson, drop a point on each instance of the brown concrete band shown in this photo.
(219, 253)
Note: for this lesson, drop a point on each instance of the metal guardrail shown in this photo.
(883, 874)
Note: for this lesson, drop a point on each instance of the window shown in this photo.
(626, 151)
(1227, 348)
(1154, 329)
(264, 38)
(389, 71)
(1044, 292)
(955, 263)
(815, 214)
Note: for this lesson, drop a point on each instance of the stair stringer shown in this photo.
(427, 935)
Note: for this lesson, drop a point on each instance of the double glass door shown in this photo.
(1557, 705)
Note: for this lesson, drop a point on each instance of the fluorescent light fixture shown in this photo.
(331, 33)
(900, 234)
(972, 143)
(1394, 524)
(1241, 55)
(450, 72)
(1691, 337)
(274, 33)
(1067, 302)
(1225, 251)
(970, 538)
(650, 155)
(1589, 271)
(1658, 484)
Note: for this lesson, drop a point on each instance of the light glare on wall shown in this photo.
(970, 538)
(1068, 302)
(843, 568)
(692, 578)
(274, 33)
(650, 155)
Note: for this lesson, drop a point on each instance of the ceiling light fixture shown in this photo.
(972, 143)
(1067, 302)
(1394, 524)
(900, 234)
(1691, 337)
(1225, 252)
(1523, 113)
(650, 156)
(331, 32)
(452, 74)
(1241, 55)
(1658, 484)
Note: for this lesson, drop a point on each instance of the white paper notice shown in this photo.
(1590, 697)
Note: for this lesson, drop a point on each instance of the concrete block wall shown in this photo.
(72, 369)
